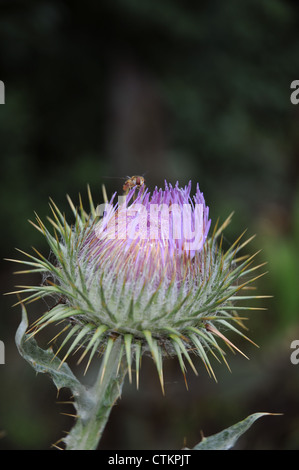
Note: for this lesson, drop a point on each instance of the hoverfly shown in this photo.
(132, 182)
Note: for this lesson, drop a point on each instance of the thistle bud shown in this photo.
(143, 269)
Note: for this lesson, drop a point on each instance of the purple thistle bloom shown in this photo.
(150, 237)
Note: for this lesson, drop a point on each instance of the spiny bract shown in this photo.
(143, 269)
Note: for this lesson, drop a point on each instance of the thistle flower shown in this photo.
(145, 271)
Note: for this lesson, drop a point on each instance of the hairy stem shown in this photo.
(99, 400)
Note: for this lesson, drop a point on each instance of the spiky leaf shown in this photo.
(226, 439)
(44, 361)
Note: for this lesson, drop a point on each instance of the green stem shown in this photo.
(95, 404)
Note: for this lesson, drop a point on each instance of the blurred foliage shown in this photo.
(175, 90)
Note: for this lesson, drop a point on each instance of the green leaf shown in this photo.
(44, 361)
(226, 439)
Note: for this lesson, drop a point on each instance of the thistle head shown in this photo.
(144, 269)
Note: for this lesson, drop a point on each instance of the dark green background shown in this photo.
(174, 90)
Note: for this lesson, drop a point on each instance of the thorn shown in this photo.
(104, 194)
(64, 402)
(70, 414)
(57, 442)
(162, 382)
(214, 330)
(224, 225)
(56, 447)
